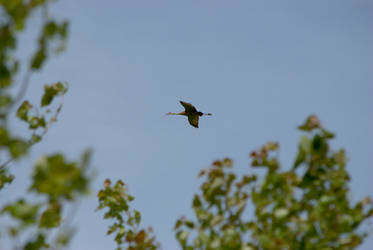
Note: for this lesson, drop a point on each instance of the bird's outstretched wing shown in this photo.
(188, 107)
(193, 120)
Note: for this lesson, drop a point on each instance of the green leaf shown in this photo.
(227, 162)
(5, 100)
(305, 144)
(23, 110)
(318, 144)
(183, 235)
(4, 137)
(327, 134)
(35, 138)
(189, 224)
(5, 178)
(197, 202)
(38, 59)
(370, 213)
(281, 213)
(178, 223)
(51, 91)
(18, 147)
(22, 211)
(312, 122)
(51, 217)
(37, 244)
(50, 28)
(137, 216)
(5, 75)
(271, 146)
(36, 122)
(300, 158)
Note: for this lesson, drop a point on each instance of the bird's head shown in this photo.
(201, 114)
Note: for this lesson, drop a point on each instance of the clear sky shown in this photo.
(261, 67)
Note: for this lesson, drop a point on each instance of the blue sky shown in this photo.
(261, 67)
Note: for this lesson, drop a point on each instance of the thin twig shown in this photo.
(6, 163)
(28, 73)
(20, 95)
(22, 91)
(30, 142)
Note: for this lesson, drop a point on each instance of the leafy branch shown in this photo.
(306, 207)
(60, 182)
(35, 121)
(127, 221)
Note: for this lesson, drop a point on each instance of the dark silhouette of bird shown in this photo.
(192, 113)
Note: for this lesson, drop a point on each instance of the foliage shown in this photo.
(53, 33)
(305, 207)
(219, 210)
(296, 209)
(59, 182)
(56, 181)
(127, 221)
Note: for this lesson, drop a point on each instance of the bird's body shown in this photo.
(191, 112)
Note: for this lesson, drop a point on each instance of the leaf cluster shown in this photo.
(306, 207)
(56, 182)
(116, 199)
(218, 209)
(59, 182)
(14, 16)
(15, 13)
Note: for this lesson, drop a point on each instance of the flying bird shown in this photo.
(191, 112)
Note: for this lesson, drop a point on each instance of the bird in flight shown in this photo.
(191, 112)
